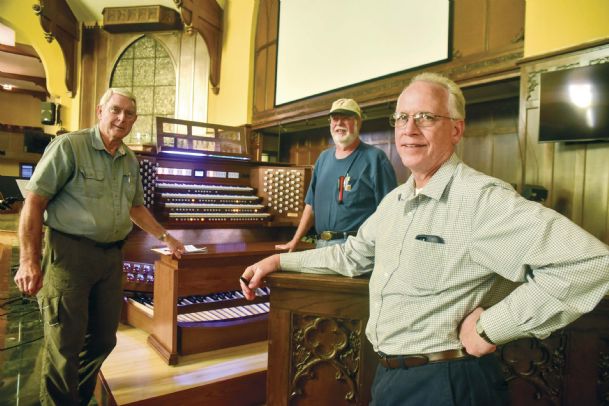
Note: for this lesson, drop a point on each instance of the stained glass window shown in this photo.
(146, 69)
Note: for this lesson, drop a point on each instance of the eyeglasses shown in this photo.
(421, 119)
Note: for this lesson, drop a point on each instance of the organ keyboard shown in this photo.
(272, 196)
(190, 186)
(222, 306)
(238, 209)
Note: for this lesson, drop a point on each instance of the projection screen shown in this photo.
(324, 45)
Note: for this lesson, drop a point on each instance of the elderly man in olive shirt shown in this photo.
(87, 190)
(441, 249)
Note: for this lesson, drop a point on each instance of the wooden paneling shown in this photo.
(596, 188)
(490, 144)
(318, 353)
(265, 54)
(553, 371)
(470, 18)
(568, 189)
(505, 23)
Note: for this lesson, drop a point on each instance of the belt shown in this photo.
(104, 245)
(417, 360)
(335, 235)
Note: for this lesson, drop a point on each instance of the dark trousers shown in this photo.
(80, 302)
(468, 381)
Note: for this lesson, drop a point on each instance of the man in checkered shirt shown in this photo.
(460, 263)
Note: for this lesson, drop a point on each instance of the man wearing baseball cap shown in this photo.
(349, 181)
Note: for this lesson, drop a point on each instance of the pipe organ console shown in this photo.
(207, 195)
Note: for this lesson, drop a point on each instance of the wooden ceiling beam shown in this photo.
(19, 50)
(39, 95)
(34, 79)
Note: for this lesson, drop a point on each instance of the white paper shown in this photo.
(187, 249)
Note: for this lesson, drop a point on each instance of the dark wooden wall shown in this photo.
(490, 143)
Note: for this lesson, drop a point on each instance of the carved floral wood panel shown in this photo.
(325, 343)
(540, 364)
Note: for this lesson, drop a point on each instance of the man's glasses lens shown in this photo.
(421, 119)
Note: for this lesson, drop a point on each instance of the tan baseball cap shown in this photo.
(346, 106)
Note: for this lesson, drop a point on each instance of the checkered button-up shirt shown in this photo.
(465, 240)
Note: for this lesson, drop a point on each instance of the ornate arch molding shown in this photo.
(58, 21)
(206, 17)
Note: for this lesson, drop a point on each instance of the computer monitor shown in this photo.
(9, 188)
(26, 170)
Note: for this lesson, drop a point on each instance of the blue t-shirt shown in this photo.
(367, 177)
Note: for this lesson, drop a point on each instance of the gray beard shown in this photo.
(346, 141)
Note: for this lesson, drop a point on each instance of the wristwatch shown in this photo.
(481, 333)
(163, 237)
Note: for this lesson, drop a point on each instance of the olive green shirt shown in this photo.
(90, 192)
(465, 240)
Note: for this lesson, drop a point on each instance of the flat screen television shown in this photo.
(574, 104)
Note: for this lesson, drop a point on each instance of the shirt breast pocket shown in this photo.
(129, 186)
(93, 184)
(425, 267)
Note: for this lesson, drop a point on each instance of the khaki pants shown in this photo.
(80, 304)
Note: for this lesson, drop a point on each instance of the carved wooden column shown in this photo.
(318, 352)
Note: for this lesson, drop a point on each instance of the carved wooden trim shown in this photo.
(541, 363)
(140, 18)
(325, 341)
(495, 66)
(585, 46)
(58, 21)
(206, 17)
(533, 77)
